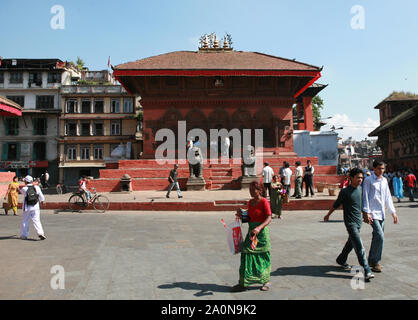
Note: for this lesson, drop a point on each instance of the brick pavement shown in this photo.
(183, 255)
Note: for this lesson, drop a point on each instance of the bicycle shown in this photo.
(77, 201)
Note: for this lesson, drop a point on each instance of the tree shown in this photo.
(79, 64)
(317, 106)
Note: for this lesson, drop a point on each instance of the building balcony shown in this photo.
(93, 90)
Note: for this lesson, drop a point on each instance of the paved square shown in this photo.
(184, 255)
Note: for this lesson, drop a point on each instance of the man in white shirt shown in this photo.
(376, 197)
(298, 180)
(31, 209)
(287, 174)
(268, 174)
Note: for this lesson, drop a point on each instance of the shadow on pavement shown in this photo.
(16, 237)
(332, 221)
(312, 271)
(205, 289)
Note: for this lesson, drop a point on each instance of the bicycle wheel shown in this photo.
(76, 202)
(59, 189)
(101, 203)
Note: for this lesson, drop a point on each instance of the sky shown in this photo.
(368, 48)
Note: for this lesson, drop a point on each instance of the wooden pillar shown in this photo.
(299, 112)
(308, 113)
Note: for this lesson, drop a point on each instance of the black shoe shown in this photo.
(42, 237)
(299, 197)
(180, 197)
(345, 266)
(167, 196)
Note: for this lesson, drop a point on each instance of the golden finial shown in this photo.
(216, 43)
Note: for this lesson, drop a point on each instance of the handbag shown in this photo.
(234, 235)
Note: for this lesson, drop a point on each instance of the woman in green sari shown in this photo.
(255, 256)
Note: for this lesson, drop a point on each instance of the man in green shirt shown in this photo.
(350, 198)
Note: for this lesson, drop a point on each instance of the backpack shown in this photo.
(32, 197)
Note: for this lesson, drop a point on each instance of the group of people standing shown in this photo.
(400, 181)
(278, 186)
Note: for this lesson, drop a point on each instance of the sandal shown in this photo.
(265, 287)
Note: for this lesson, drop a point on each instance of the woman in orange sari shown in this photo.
(11, 195)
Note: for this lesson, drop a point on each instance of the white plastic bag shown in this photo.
(234, 235)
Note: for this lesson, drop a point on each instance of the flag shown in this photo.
(108, 62)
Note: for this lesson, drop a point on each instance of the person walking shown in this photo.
(255, 264)
(350, 199)
(276, 199)
(32, 195)
(287, 173)
(411, 183)
(398, 186)
(12, 196)
(268, 174)
(46, 178)
(298, 181)
(173, 182)
(281, 172)
(308, 178)
(376, 197)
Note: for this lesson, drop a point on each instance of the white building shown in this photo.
(28, 145)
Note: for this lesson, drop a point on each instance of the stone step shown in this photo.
(221, 178)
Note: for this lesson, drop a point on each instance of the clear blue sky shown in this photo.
(362, 67)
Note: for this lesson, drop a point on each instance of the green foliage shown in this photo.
(317, 106)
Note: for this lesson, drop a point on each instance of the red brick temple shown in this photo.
(213, 88)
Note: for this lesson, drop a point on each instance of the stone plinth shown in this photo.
(196, 184)
(247, 180)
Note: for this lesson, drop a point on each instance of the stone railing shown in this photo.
(91, 89)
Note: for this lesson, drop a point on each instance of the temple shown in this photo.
(215, 87)
(221, 88)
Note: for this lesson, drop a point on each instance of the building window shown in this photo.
(39, 151)
(98, 106)
(44, 102)
(85, 152)
(12, 151)
(71, 106)
(71, 153)
(86, 106)
(20, 100)
(128, 106)
(71, 129)
(16, 77)
(39, 126)
(12, 126)
(98, 129)
(1, 77)
(54, 77)
(114, 106)
(98, 152)
(36, 78)
(115, 128)
(85, 128)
